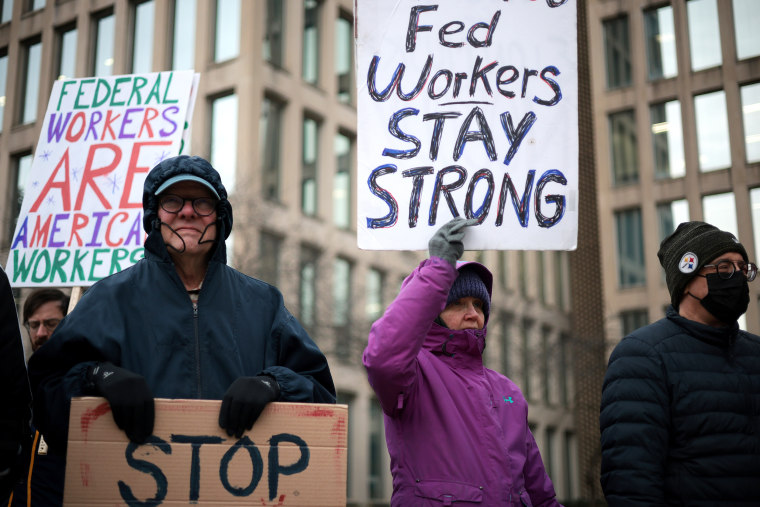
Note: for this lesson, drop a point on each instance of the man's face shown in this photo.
(465, 313)
(186, 222)
(43, 322)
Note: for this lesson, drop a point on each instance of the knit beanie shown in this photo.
(688, 249)
(469, 284)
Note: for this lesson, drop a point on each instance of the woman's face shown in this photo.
(465, 313)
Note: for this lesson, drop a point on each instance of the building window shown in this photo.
(617, 51)
(570, 464)
(227, 40)
(274, 32)
(183, 43)
(507, 321)
(142, 39)
(564, 361)
(746, 21)
(548, 455)
(547, 366)
(704, 34)
(503, 261)
(309, 156)
(631, 320)
(308, 286)
(374, 303)
(341, 308)
(270, 249)
(522, 275)
(342, 182)
(223, 149)
(754, 197)
(560, 268)
(542, 280)
(310, 66)
(720, 211)
(377, 451)
(625, 161)
(31, 55)
(32, 5)
(104, 44)
(270, 130)
(750, 95)
(670, 214)
(3, 82)
(7, 12)
(22, 164)
(660, 36)
(667, 140)
(712, 131)
(344, 57)
(630, 248)
(527, 358)
(67, 50)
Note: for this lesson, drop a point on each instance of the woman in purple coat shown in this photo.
(457, 432)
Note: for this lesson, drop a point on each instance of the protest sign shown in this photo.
(467, 109)
(81, 217)
(294, 455)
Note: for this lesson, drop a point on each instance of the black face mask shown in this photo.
(726, 300)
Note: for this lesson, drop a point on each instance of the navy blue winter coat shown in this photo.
(143, 320)
(680, 417)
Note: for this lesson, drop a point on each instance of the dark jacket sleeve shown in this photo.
(15, 415)
(300, 368)
(634, 424)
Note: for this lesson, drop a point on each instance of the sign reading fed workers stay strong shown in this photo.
(467, 109)
(81, 217)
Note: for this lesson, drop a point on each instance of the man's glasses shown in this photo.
(726, 269)
(33, 325)
(203, 206)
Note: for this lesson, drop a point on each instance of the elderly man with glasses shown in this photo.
(178, 324)
(680, 414)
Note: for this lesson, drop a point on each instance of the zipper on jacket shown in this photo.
(197, 351)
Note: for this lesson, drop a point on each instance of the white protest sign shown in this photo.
(467, 109)
(81, 217)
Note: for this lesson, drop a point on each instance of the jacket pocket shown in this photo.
(525, 499)
(449, 493)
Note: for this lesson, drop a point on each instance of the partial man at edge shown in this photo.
(43, 477)
(680, 411)
(456, 431)
(178, 324)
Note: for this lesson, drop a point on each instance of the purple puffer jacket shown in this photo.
(457, 432)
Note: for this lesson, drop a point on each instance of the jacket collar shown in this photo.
(720, 336)
(466, 343)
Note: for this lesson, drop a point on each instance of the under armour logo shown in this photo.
(508, 400)
(107, 374)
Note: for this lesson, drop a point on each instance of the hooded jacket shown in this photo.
(143, 320)
(680, 416)
(457, 432)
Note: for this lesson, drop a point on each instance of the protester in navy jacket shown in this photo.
(680, 412)
(457, 432)
(178, 324)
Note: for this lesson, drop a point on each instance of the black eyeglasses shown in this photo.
(726, 269)
(33, 325)
(203, 206)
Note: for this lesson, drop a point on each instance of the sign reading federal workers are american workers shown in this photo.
(467, 108)
(81, 216)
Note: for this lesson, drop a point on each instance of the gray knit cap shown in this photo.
(469, 284)
(688, 249)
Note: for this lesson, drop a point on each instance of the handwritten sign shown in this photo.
(467, 109)
(81, 218)
(294, 455)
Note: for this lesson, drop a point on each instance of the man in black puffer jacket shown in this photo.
(680, 414)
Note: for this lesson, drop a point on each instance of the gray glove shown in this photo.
(446, 243)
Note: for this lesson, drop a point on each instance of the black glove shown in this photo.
(446, 243)
(130, 398)
(244, 401)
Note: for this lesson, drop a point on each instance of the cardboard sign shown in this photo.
(81, 217)
(467, 109)
(294, 455)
